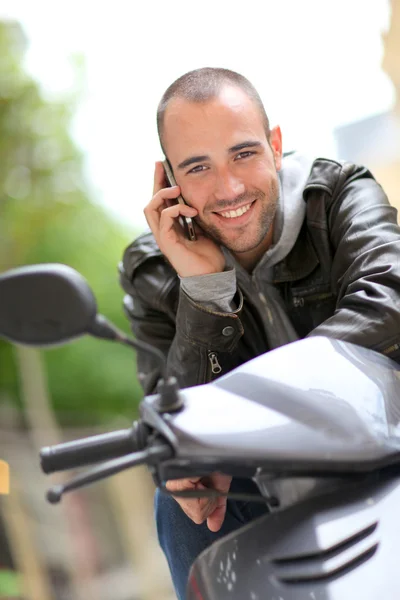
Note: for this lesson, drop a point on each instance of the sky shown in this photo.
(315, 63)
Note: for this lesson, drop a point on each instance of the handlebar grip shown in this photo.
(95, 448)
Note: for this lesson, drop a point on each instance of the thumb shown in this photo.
(216, 519)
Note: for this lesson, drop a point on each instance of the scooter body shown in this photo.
(320, 420)
(338, 546)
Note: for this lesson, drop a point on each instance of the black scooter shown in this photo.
(315, 423)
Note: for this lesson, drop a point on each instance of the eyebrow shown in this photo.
(242, 145)
(195, 159)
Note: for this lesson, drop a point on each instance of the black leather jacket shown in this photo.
(340, 280)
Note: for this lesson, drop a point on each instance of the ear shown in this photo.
(276, 146)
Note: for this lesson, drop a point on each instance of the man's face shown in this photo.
(225, 166)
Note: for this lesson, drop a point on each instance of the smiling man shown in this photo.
(286, 247)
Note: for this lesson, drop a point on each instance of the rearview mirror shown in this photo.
(44, 305)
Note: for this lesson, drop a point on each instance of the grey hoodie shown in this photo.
(216, 291)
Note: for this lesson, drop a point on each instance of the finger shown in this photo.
(175, 211)
(194, 480)
(169, 216)
(216, 518)
(160, 199)
(222, 483)
(197, 509)
(160, 181)
(158, 203)
(203, 506)
(177, 485)
(201, 509)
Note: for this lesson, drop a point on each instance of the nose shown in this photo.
(228, 186)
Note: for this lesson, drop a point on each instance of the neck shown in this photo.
(249, 259)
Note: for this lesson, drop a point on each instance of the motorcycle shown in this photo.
(315, 423)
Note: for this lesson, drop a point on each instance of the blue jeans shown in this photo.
(182, 540)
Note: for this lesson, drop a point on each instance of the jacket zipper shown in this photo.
(391, 349)
(298, 302)
(215, 366)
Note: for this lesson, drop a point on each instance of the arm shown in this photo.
(185, 333)
(152, 290)
(365, 239)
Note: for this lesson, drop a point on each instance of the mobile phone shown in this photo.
(186, 222)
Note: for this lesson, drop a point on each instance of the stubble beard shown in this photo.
(246, 239)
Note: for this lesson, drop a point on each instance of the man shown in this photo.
(285, 248)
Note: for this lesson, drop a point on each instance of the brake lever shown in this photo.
(150, 456)
(211, 493)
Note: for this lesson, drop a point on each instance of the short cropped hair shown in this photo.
(202, 85)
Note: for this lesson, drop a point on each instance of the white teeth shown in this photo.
(236, 213)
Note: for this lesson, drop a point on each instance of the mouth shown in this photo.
(238, 216)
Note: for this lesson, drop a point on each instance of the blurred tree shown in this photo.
(9, 585)
(46, 216)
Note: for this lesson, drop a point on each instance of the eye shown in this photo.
(197, 169)
(245, 154)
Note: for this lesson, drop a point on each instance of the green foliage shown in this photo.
(46, 216)
(9, 584)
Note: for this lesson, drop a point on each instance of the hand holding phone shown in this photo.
(186, 222)
(162, 213)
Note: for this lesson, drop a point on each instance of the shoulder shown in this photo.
(344, 199)
(142, 249)
(332, 176)
(143, 267)
(315, 176)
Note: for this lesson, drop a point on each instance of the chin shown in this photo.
(244, 243)
(241, 248)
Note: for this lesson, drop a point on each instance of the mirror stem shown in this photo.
(102, 328)
(168, 390)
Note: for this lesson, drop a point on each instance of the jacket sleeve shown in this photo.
(163, 315)
(365, 242)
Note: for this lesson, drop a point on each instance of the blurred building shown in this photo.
(98, 543)
(375, 141)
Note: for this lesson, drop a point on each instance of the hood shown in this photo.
(291, 211)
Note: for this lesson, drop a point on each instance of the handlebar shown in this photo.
(95, 448)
